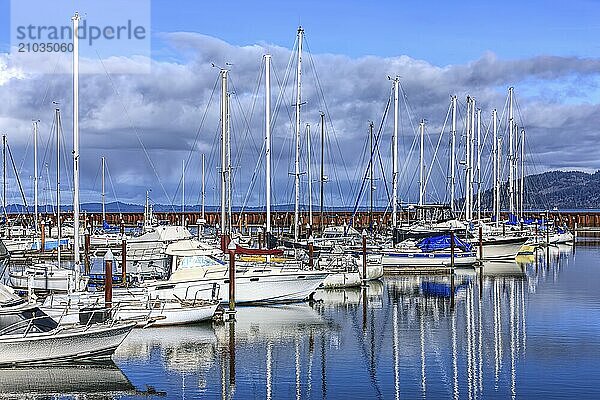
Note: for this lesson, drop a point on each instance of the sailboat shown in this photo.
(49, 276)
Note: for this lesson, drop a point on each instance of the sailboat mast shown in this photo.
(468, 161)
(309, 176)
(511, 155)
(182, 192)
(4, 176)
(495, 163)
(522, 189)
(229, 214)
(479, 164)
(147, 210)
(452, 155)
(58, 224)
(322, 167)
(203, 187)
(268, 141)
(223, 152)
(371, 185)
(297, 158)
(35, 174)
(103, 190)
(498, 161)
(76, 257)
(421, 155)
(395, 157)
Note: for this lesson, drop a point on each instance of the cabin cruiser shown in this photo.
(197, 266)
(146, 254)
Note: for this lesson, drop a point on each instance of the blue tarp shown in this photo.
(49, 244)
(442, 242)
(109, 228)
(513, 220)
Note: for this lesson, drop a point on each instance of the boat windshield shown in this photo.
(33, 320)
(198, 261)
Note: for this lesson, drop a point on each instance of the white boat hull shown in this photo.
(46, 279)
(66, 309)
(80, 344)
(250, 288)
(501, 248)
(339, 280)
(427, 260)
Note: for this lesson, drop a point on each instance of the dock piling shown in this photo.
(108, 264)
(231, 251)
(364, 257)
(42, 236)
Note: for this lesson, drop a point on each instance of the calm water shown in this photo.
(531, 330)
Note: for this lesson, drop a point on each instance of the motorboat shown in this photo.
(45, 276)
(146, 308)
(199, 267)
(29, 336)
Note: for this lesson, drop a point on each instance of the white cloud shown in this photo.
(165, 107)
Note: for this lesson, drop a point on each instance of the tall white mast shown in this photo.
(452, 155)
(297, 159)
(511, 155)
(229, 168)
(522, 189)
(479, 164)
(395, 157)
(495, 163)
(203, 188)
(182, 192)
(103, 192)
(58, 224)
(75, 20)
(309, 176)
(421, 169)
(472, 160)
(268, 140)
(147, 216)
(35, 174)
(498, 161)
(223, 149)
(468, 161)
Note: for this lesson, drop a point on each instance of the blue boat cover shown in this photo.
(442, 242)
(109, 228)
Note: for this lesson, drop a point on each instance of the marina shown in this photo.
(394, 339)
(198, 215)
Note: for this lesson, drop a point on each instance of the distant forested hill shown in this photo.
(561, 189)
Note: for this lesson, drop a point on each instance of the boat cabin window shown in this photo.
(197, 261)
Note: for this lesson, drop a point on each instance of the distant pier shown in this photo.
(583, 220)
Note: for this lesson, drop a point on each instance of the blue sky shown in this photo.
(549, 51)
(440, 32)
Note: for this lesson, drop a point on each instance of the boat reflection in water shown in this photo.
(392, 339)
(96, 381)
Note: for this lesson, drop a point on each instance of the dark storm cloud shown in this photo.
(164, 111)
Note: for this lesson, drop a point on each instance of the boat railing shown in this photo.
(215, 289)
